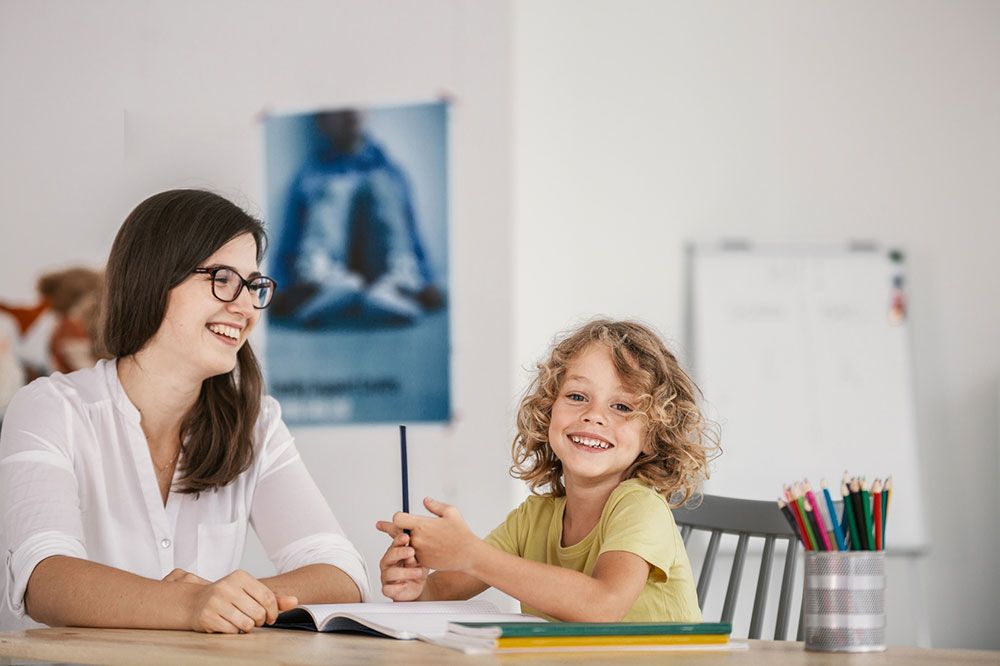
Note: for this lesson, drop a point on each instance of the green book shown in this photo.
(519, 629)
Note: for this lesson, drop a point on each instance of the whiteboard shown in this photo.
(806, 372)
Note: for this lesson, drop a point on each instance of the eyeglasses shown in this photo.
(227, 285)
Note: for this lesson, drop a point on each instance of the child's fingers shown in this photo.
(436, 507)
(402, 574)
(402, 592)
(388, 528)
(398, 575)
(406, 521)
(396, 555)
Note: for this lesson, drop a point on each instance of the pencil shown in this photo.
(877, 510)
(403, 471)
(819, 516)
(837, 533)
(813, 520)
(866, 507)
(787, 513)
(800, 501)
(794, 508)
(800, 508)
(859, 513)
(849, 516)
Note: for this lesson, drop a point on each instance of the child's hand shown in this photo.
(444, 543)
(403, 579)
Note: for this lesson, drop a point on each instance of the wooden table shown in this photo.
(276, 646)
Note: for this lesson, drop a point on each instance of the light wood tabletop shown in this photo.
(277, 646)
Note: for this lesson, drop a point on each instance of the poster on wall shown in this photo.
(357, 203)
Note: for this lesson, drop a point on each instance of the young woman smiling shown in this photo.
(126, 489)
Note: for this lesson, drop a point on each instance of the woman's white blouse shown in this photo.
(76, 479)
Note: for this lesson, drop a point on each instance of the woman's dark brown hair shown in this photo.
(165, 238)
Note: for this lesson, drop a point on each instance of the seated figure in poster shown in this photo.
(350, 252)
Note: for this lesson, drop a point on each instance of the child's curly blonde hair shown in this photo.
(680, 441)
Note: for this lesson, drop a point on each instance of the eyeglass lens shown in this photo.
(226, 286)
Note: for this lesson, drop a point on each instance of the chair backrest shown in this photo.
(745, 518)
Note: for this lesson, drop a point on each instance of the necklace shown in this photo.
(167, 465)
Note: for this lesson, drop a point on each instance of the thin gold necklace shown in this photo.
(167, 465)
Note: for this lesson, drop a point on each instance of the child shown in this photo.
(611, 428)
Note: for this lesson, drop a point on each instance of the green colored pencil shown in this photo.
(851, 522)
(866, 506)
(799, 502)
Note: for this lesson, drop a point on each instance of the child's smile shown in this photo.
(592, 442)
(593, 430)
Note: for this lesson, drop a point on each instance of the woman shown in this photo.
(126, 489)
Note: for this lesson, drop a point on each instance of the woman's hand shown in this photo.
(234, 604)
(403, 579)
(444, 543)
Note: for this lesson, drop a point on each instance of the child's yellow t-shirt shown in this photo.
(636, 519)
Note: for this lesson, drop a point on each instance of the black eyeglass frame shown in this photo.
(243, 283)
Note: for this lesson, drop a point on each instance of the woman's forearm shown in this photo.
(315, 584)
(68, 591)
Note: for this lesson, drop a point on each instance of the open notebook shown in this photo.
(425, 620)
(477, 627)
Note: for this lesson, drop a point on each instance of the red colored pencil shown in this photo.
(799, 519)
(877, 518)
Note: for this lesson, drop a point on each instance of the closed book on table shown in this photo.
(499, 636)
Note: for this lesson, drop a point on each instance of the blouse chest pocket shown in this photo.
(220, 549)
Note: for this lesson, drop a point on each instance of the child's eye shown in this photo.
(621, 407)
(575, 397)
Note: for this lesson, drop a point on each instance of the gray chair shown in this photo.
(745, 518)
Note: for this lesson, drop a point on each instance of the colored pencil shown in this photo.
(837, 533)
(877, 510)
(859, 513)
(800, 503)
(845, 527)
(794, 508)
(866, 506)
(852, 526)
(814, 523)
(819, 516)
(787, 513)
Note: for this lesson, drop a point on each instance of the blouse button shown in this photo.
(165, 543)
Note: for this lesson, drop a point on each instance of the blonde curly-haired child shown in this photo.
(609, 434)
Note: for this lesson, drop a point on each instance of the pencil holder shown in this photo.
(844, 601)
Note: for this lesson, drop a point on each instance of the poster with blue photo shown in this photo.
(357, 203)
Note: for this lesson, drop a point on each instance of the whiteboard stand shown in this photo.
(808, 372)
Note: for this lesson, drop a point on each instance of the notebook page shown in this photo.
(322, 612)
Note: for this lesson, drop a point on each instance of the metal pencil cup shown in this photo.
(844, 601)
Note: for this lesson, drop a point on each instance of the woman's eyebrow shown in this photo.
(249, 276)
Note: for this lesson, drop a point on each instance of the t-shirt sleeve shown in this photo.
(39, 498)
(508, 535)
(640, 522)
(289, 513)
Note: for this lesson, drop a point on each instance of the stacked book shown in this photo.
(480, 637)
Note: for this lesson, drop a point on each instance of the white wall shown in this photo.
(639, 125)
(108, 102)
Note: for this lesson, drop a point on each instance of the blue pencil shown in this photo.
(838, 533)
(405, 473)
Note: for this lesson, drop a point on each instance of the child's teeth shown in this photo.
(592, 443)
